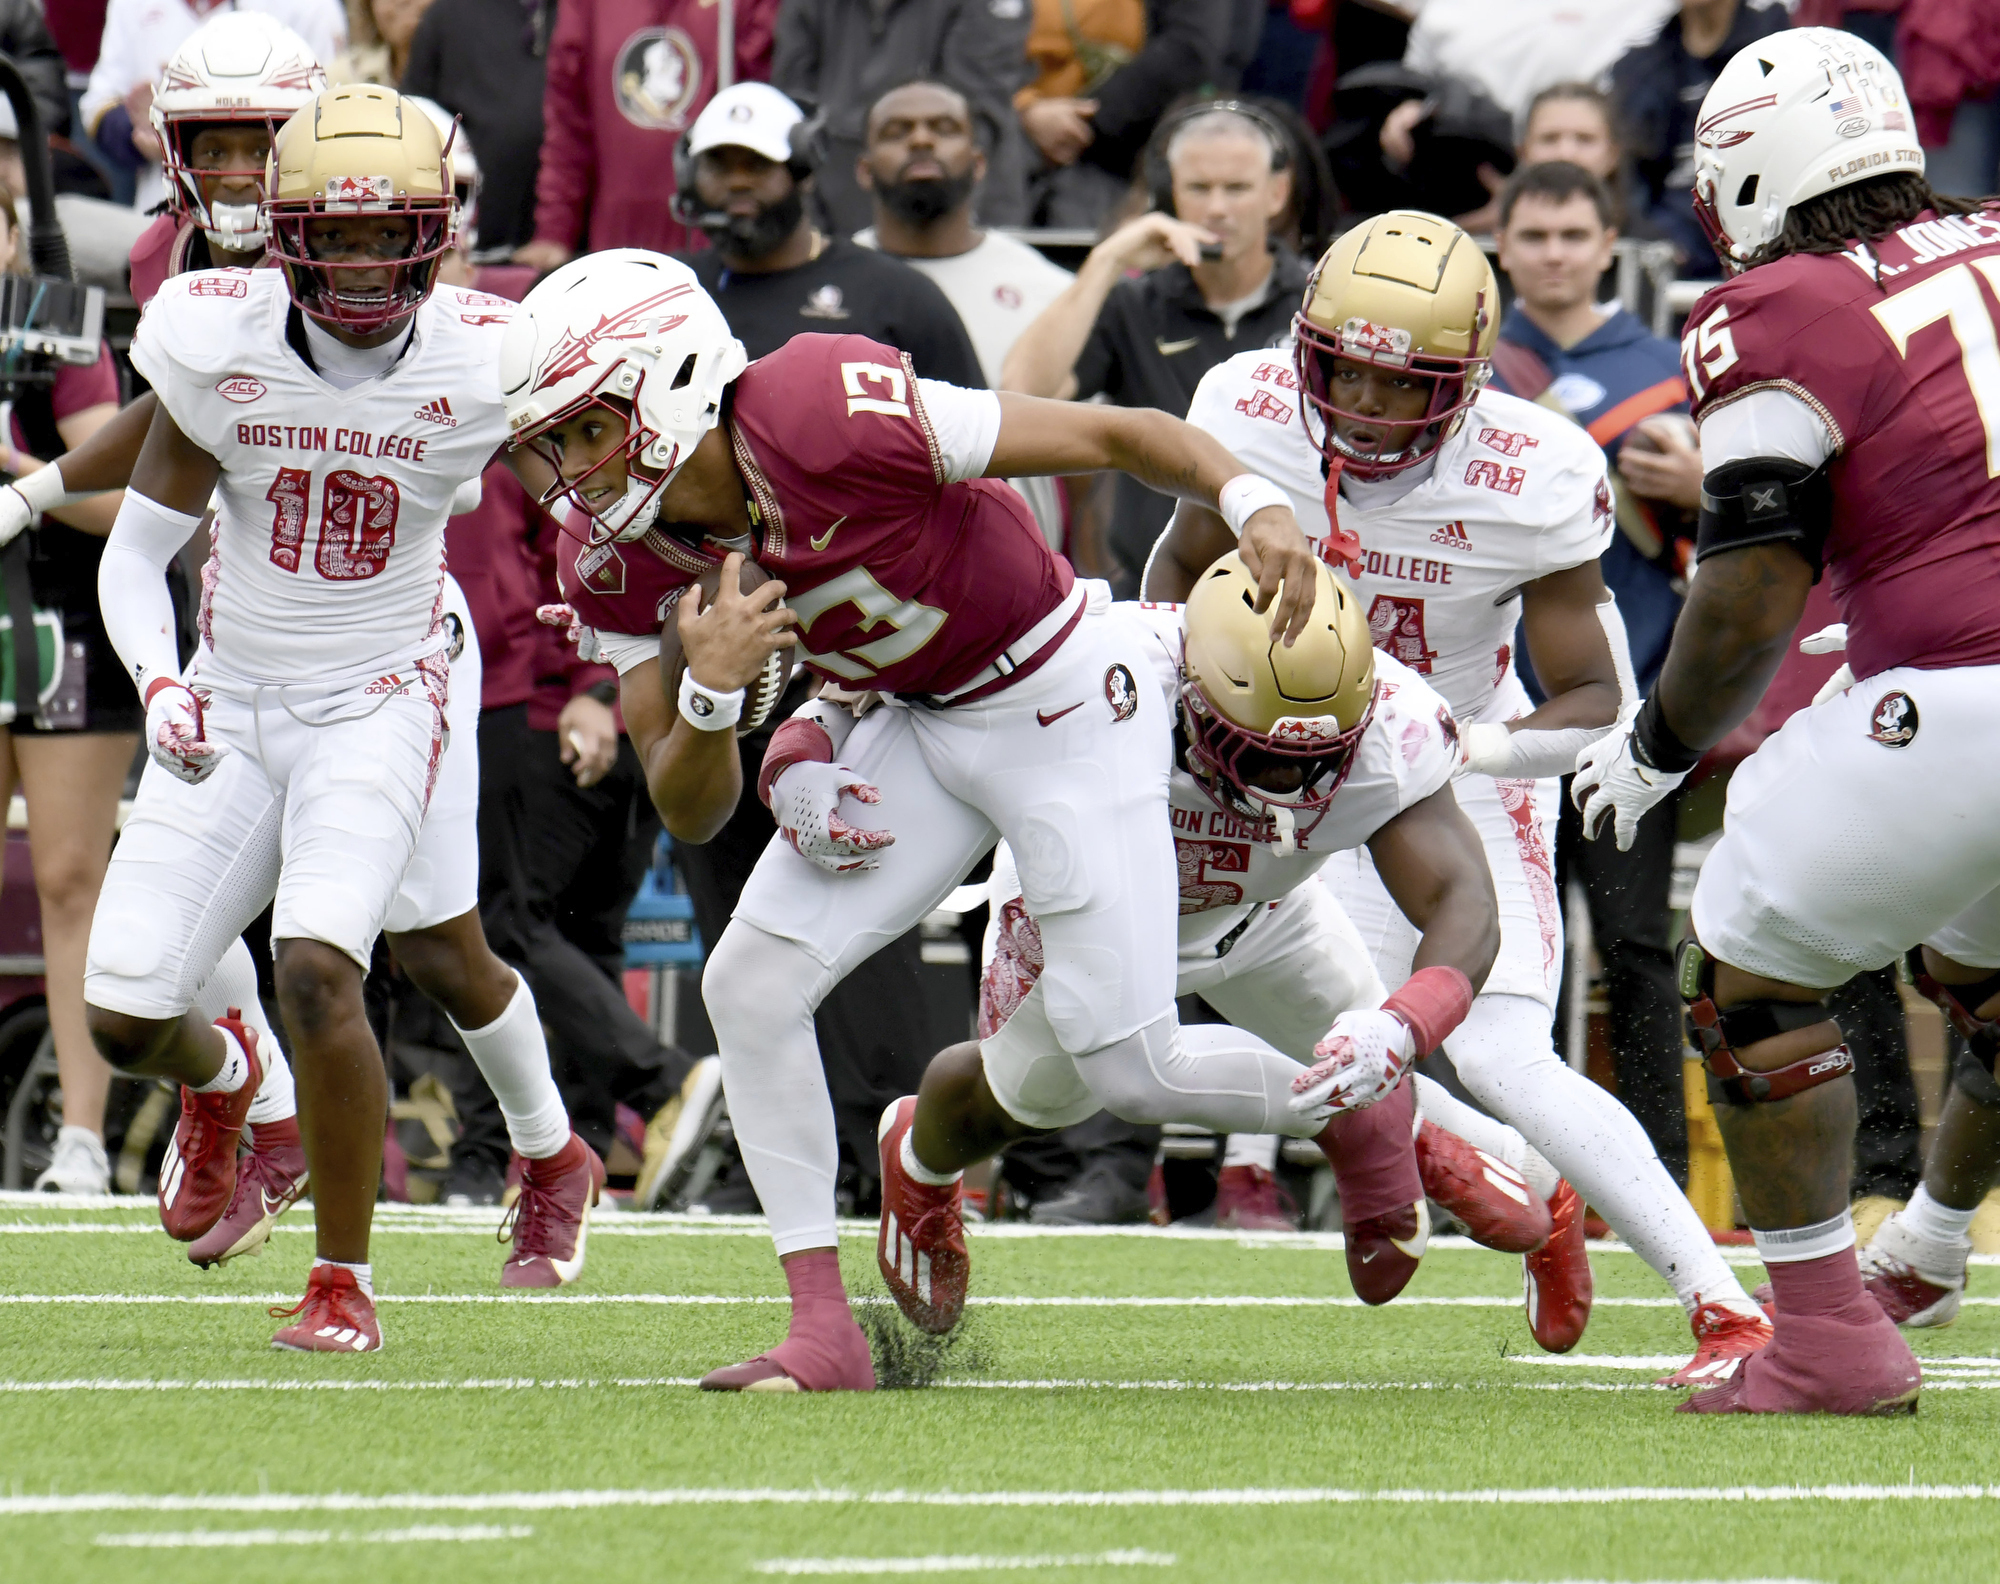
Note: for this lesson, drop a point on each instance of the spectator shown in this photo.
(139, 36)
(1212, 284)
(840, 54)
(1949, 54)
(774, 273)
(625, 80)
(1575, 122)
(1601, 366)
(378, 41)
(1659, 87)
(1105, 76)
(25, 37)
(483, 60)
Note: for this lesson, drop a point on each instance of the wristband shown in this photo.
(157, 683)
(1244, 496)
(1654, 744)
(1433, 1001)
(707, 710)
(43, 489)
(796, 741)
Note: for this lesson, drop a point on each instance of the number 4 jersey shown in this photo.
(327, 553)
(1893, 350)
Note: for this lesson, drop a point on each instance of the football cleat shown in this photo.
(1918, 1281)
(1821, 1364)
(78, 1165)
(549, 1222)
(676, 1133)
(269, 1181)
(835, 1361)
(1251, 1199)
(1557, 1277)
(1723, 1338)
(1493, 1201)
(335, 1316)
(1383, 1251)
(198, 1174)
(920, 1247)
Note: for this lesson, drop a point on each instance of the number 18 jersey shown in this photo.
(326, 556)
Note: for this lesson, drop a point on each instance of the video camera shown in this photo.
(46, 319)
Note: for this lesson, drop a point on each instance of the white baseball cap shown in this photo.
(749, 115)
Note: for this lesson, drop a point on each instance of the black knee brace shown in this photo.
(1717, 1031)
(1959, 1004)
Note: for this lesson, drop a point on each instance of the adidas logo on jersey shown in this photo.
(1452, 536)
(438, 412)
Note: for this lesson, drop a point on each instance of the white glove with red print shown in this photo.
(174, 734)
(1362, 1058)
(805, 801)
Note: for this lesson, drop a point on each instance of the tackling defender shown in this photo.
(1464, 513)
(1848, 428)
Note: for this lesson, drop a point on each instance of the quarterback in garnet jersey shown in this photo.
(1847, 430)
(991, 694)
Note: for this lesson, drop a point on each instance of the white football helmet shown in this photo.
(241, 66)
(632, 332)
(1790, 117)
(464, 167)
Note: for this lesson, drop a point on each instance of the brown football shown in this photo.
(1645, 435)
(763, 695)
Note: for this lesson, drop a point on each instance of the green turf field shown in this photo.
(1137, 1405)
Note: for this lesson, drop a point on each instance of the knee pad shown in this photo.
(754, 980)
(1126, 1075)
(1974, 1079)
(1035, 1080)
(1959, 1004)
(1716, 1032)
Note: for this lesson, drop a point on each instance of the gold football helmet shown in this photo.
(1272, 731)
(360, 150)
(1406, 290)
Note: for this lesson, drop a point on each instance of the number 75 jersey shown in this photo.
(327, 552)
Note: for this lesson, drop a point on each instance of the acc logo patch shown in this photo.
(217, 283)
(656, 78)
(240, 388)
(1121, 693)
(1894, 720)
(602, 570)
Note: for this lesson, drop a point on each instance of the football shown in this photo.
(1648, 433)
(762, 696)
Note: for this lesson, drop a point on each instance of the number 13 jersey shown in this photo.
(326, 557)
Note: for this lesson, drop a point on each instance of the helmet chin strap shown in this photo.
(236, 228)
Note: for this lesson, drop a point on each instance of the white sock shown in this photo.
(235, 1070)
(1251, 1149)
(1939, 1223)
(920, 1171)
(364, 1275)
(1505, 1058)
(1435, 1103)
(234, 984)
(513, 1058)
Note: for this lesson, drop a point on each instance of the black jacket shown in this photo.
(1186, 42)
(24, 35)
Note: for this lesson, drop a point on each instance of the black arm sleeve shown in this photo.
(1766, 500)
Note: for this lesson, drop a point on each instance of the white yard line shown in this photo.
(46, 1387)
(211, 1539)
(868, 1567)
(708, 1300)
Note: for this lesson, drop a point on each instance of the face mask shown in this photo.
(755, 236)
(928, 200)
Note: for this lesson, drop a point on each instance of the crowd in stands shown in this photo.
(1080, 199)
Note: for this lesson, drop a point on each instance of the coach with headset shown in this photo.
(1214, 283)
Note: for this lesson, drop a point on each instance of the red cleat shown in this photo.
(1498, 1208)
(269, 1181)
(1918, 1281)
(335, 1316)
(1816, 1364)
(1723, 1338)
(1557, 1277)
(550, 1221)
(1383, 1251)
(198, 1175)
(1250, 1199)
(920, 1247)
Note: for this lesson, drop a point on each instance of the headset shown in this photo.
(1160, 178)
(807, 141)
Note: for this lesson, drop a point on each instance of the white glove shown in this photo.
(174, 735)
(1830, 640)
(1624, 788)
(805, 801)
(15, 514)
(1362, 1058)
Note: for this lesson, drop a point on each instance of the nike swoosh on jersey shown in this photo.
(823, 540)
(1169, 348)
(1049, 719)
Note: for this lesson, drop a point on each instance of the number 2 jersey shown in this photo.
(1515, 493)
(1893, 350)
(326, 556)
(908, 572)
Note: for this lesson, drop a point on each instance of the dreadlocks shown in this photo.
(1866, 211)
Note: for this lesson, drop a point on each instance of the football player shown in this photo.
(1465, 514)
(301, 752)
(1283, 758)
(1843, 382)
(1010, 704)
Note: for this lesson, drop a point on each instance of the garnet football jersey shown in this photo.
(1894, 349)
(903, 581)
(327, 552)
(1516, 493)
(1409, 750)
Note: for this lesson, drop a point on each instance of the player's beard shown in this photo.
(753, 236)
(927, 199)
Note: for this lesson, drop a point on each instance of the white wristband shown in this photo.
(706, 709)
(1244, 496)
(43, 489)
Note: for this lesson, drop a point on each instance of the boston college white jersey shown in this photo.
(327, 553)
(1517, 493)
(1407, 753)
